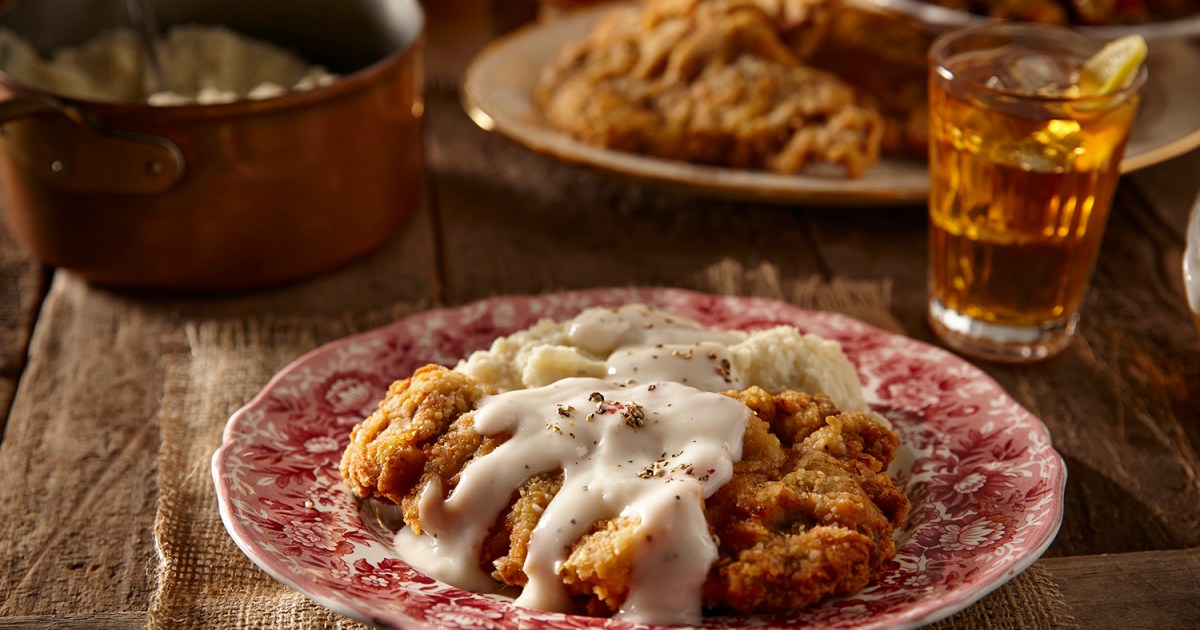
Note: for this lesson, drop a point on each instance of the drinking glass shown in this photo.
(1023, 171)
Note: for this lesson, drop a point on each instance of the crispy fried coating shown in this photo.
(508, 542)
(791, 415)
(818, 526)
(599, 568)
(715, 82)
(401, 442)
(808, 514)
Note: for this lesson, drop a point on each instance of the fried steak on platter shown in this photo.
(807, 512)
(712, 81)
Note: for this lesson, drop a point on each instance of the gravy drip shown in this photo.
(651, 440)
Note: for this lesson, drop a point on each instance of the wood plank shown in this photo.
(24, 285)
(1150, 589)
(404, 270)
(1128, 428)
(78, 621)
(1171, 187)
(517, 222)
(1163, 196)
(873, 243)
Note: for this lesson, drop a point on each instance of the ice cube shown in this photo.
(1025, 156)
(1052, 148)
(1035, 73)
(1061, 141)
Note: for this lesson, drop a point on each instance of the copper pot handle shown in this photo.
(97, 159)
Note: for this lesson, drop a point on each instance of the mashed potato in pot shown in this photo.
(201, 64)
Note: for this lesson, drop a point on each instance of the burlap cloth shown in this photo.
(204, 580)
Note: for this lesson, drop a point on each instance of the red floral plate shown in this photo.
(985, 483)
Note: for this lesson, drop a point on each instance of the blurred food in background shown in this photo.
(201, 64)
(883, 57)
(713, 81)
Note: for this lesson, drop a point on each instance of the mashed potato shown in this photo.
(201, 64)
(593, 343)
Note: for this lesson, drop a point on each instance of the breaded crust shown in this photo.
(399, 443)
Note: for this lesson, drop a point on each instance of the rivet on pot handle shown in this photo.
(95, 159)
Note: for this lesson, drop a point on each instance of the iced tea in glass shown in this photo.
(1023, 172)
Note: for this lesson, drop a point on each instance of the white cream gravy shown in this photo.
(650, 440)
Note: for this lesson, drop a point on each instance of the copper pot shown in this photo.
(219, 196)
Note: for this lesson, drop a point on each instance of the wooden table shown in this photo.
(80, 440)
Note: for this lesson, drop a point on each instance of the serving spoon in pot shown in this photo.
(141, 15)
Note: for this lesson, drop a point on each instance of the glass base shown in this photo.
(997, 342)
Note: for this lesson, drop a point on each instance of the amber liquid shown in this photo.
(1019, 200)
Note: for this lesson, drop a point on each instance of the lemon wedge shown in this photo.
(1113, 67)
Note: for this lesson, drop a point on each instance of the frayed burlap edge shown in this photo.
(867, 300)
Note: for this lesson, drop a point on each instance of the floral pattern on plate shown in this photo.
(985, 482)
